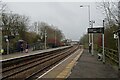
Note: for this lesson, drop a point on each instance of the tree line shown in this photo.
(19, 27)
(110, 10)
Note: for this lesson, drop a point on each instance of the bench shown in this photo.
(100, 57)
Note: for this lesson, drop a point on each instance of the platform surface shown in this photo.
(19, 54)
(62, 69)
(89, 67)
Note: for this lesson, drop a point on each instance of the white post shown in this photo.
(92, 22)
(92, 45)
(103, 48)
(103, 43)
(7, 46)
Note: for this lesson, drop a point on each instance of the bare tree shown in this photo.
(3, 7)
(53, 33)
(14, 24)
(110, 9)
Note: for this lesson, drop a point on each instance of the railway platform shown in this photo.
(19, 54)
(79, 64)
(82, 65)
(89, 66)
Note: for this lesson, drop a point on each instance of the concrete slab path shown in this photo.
(89, 67)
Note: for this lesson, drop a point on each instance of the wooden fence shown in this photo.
(111, 55)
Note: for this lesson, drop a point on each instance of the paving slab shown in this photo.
(89, 66)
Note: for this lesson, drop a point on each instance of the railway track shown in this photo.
(34, 66)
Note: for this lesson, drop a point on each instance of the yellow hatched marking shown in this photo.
(65, 73)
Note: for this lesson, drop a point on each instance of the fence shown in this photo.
(111, 56)
(37, 46)
(34, 46)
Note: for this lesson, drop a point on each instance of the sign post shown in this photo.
(103, 43)
(99, 30)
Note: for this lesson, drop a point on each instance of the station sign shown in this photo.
(96, 30)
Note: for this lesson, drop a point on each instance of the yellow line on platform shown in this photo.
(66, 72)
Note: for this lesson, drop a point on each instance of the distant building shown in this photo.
(74, 42)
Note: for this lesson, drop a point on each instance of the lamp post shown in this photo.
(88, 6)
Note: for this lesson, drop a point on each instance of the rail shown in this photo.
(35, 65)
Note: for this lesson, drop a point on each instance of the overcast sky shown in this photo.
(67, 16)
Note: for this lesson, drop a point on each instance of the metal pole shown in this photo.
(92, 38)
(119, 38)
(119, 47)
(103, 43)
(0, 40)
(92, 45)
(55, 38)
(1, 51)
(89, 21)
(103, 49)
(45, 39)
(7, 46)
(119, 54)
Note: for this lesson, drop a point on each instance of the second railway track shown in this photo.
(32, 67)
